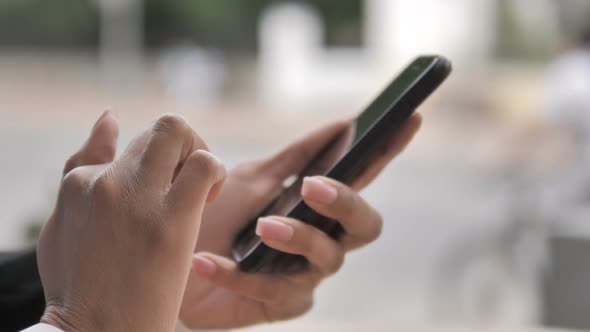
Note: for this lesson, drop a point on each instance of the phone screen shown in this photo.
(334, 151)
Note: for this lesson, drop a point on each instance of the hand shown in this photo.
(219, 295)
(116, 252)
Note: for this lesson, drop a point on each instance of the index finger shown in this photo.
(332, 199)
(198, 181)
(293, 158)
(161, 150)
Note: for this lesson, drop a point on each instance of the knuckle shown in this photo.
(74, 182)
(70, 164)
(336, 263)
(103, 189)
(204, 162)
(170, 124)
(377, 227)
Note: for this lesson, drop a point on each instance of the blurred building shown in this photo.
(459, 198)
(296, 67)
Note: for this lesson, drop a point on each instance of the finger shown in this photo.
(394, 147)
(295, 237)
(292, 159)
(362, 223)
(101, 145)
(162, 149)
(225, 273)
(199, 180)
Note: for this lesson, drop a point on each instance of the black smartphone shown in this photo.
(344, 158)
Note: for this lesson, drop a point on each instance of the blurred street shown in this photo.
(431, 196)
(470, 208)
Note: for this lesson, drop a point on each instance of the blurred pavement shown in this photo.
(429, 196)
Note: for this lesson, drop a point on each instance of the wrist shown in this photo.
(84, 318)
(66, 319)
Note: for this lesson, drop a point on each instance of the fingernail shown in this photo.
(318, 191)
(203, 266)
(272, 229)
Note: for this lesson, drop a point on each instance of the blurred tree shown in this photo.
(226, 24)
(514, 40)
(54, 23)
(574, 16)
(231, 24)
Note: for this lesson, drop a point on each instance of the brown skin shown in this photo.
(116, 252)
(218, 295)
(151, 231)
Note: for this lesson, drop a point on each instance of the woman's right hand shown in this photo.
(116, 252)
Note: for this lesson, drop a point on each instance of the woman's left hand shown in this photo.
(219, 295)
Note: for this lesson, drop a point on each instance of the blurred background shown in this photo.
(485, 213)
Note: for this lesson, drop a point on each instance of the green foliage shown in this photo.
(61, 22)
(230, 24)
(233, 24)
(512, 42)
(219, 22)
(343, 20)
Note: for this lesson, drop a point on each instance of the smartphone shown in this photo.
(344, 158)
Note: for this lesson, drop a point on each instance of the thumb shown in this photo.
(293, 158)
(101, 145)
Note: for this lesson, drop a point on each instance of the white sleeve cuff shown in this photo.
(42, 327)
(180, 327)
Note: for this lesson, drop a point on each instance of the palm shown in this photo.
(246, 192)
